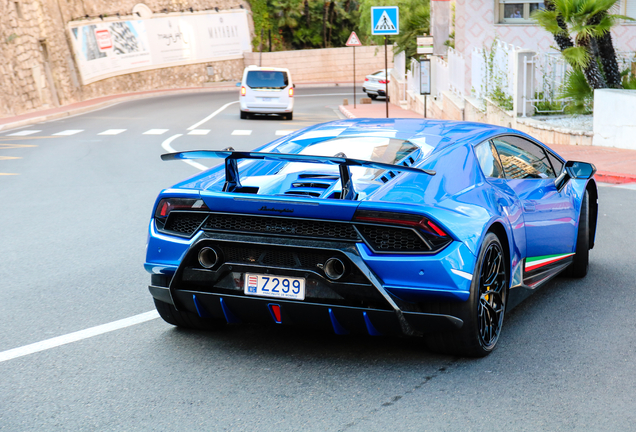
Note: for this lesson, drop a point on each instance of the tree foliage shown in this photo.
(303, 24)
(581, 28)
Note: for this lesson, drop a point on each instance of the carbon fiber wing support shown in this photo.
(233, 182)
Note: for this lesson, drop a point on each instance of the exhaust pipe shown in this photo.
(334, 269)
(208, 257)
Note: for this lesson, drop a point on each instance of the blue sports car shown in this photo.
(395, 226)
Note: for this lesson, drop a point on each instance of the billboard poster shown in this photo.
(111, 48)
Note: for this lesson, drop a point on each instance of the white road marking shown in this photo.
(112, 132)
(196, 125)
(285, 131)
(166, 146)
(155, 132)
(69, 132)
(241, 132)
(199, 132)
(24, 133)
(77, 336)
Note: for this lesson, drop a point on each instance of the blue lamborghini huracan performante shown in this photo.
(415, 227)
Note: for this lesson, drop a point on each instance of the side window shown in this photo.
(522, 159)
(488, 160)
(557, 165)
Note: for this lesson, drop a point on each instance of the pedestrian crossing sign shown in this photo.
(385, 20)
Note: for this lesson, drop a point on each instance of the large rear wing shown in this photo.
(232, 181)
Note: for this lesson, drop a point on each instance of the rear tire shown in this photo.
(289, 116)
(373, 97)
(483, 312)
(186, 319)
(580, 264)
(244, 115)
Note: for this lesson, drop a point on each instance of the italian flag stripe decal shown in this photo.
(536, 262)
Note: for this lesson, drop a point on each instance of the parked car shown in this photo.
(417, 227)
(376, 83)
(267, 91)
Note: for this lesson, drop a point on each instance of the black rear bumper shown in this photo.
(342, 319)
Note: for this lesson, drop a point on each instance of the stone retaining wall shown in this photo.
(37, 69)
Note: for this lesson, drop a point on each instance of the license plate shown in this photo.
(274, 286)
(267, 99)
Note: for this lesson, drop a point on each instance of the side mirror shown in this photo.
(574, 170)
(294, 85)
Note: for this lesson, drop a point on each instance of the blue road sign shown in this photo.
(385, 20)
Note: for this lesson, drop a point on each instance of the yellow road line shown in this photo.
(1, 174)
(9, 157)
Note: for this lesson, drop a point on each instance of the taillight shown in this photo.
(291, 92)
(168, 205)
(243, 90)
(384, 81)
(410, 220)
(366, 79)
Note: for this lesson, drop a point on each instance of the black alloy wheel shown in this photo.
(483, 312)
(492, 296)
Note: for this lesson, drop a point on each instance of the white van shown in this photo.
(267, 90)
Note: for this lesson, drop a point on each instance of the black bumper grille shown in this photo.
(284, 226)
(387, 239)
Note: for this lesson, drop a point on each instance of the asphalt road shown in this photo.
(73, 226)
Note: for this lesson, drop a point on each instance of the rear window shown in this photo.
(267, 79)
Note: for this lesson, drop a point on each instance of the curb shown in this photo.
(614, 178)
(346, 112)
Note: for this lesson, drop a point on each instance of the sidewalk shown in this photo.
(614, 165)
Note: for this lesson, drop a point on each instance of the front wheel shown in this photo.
(373, 97)
(483, 312)
(186, 319)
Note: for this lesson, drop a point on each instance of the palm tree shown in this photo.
(588, 23)
(286, 14)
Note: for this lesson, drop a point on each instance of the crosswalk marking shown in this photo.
(285, 131)
(112, 132)
(241, 132)
(155, 131)
(199, 132)
(69, 132)
(24, 133)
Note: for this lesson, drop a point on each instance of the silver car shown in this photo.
(376, 83)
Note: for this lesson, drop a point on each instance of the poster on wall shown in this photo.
(107, 49)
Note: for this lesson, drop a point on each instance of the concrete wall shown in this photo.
(476, 27)
(325, 65)
(615, 118)
(37, 69)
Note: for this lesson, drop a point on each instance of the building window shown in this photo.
(517, 11)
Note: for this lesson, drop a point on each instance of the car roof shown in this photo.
(435, 133)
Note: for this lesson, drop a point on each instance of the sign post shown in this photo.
(425, 79)
(385, 20)
(425, 45)
(353, 41)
